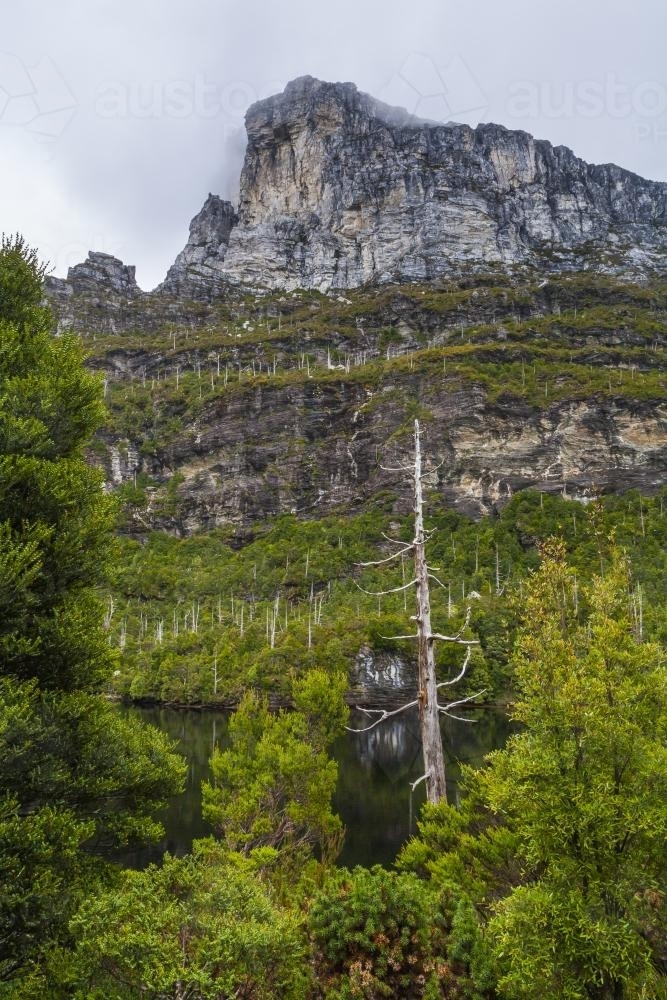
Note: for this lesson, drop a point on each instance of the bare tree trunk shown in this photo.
(429, 714)
(427, 700)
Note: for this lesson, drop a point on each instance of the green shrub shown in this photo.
(376, 933)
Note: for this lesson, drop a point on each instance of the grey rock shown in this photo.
(100, 271)
(196, 272)
(381, 677)
(94, 295)
(338, 190)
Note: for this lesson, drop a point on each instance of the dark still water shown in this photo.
(375, 769)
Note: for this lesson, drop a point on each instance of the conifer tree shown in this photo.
(76, 778)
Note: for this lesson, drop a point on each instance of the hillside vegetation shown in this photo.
(247, 440)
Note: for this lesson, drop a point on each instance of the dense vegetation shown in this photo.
(198, 619)
(549, 876)
(75, 779)
(548, 879)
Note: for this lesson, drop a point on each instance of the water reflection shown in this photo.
(375, 768)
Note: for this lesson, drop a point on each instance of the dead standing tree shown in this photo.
(430, 709)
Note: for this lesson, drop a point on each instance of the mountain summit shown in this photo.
(338, 190)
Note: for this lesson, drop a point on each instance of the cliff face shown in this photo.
(196, 272)
(296, 403)
(316, 449)
(228, 408)
(338, 190)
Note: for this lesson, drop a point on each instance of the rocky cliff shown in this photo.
(292, 403)
(338, 190)
(228, 408)
(197, 271)
(316, 449)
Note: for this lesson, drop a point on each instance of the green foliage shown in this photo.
(203, 927)
(585, 788)
(75, 778)
(307, 571)
(379, 934)
(273, 786)
(21, 278)
(469, 951)
(555, 862)
(54, 519)
(76, 752)
(285, 575)
(42, 872)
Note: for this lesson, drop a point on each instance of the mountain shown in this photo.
(507, 293)
(339, 190)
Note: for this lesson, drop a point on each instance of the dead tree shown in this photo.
(430, 708)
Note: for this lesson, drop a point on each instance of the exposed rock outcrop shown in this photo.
(338, 190)
(97, 289)
(196, 272)
(382, 678)
(98, 272)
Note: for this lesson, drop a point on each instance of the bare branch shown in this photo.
(382, 593)
(413, 636)
(432, 576)
(400, 468)
(382, 713)
(380, 562)
(454, 638)
(462, 701)
(460, 674)
(457, 638)
(459, 718)
(414, 784)
(429, 472)
(397, 541)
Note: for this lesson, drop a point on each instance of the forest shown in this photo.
(546, 878)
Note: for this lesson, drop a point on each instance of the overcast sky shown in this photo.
(117, 117)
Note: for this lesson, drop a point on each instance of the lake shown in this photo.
(373, 796)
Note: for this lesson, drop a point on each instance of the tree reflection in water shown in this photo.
(375, 770)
